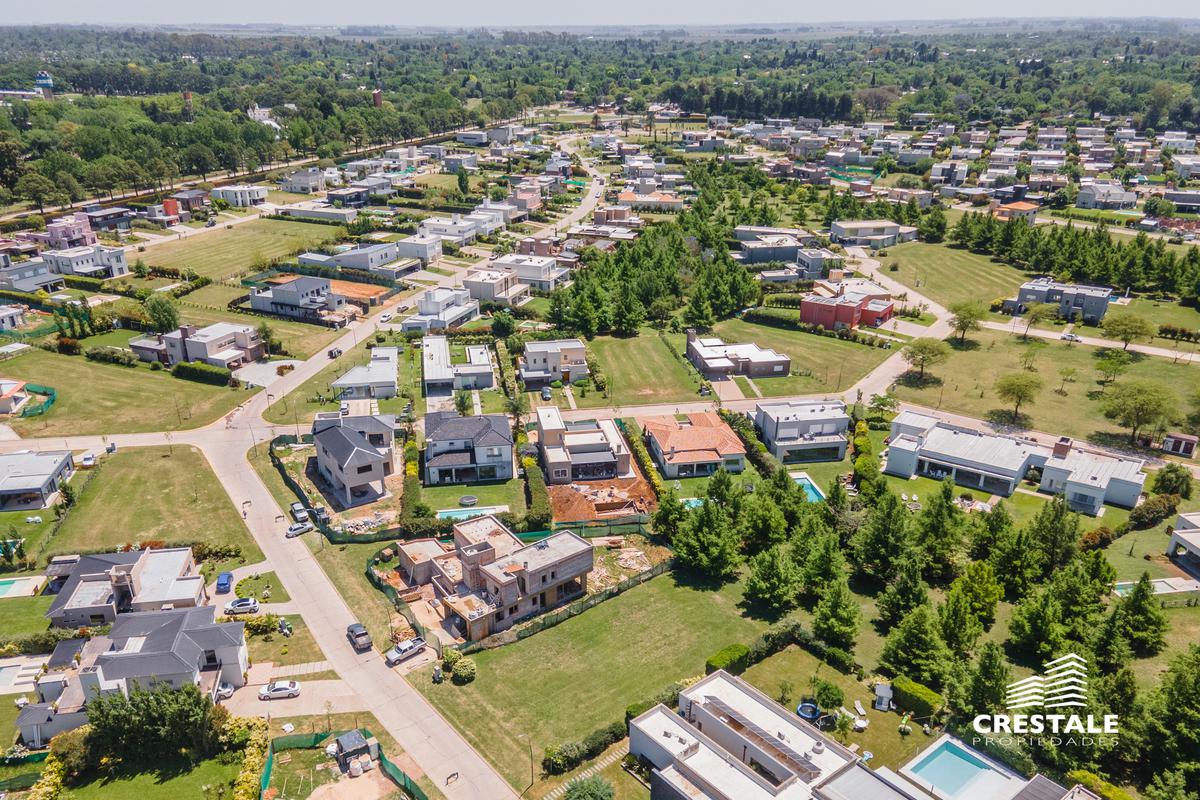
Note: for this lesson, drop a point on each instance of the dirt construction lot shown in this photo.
(595, 500)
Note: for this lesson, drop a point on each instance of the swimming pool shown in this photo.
(460, 514)
(20, 587)
(949, 768)
(692, 502)
(811, 490)
(7, 674)
(1160, 586)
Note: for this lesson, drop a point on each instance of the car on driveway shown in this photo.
(546, 393)
(242, 605)
(1071, 337)
(406, 649)
(299, 512)
(225, 583)
(298, 528)
(334, 352)
(276, 690)
(360, 640)
(224, 690)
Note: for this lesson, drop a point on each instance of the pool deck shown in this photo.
(23, 678)
(469, 512)
(1162, 586)
(24, 586)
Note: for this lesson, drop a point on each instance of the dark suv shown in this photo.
(360, 640)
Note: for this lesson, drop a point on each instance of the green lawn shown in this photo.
(254, 586)
(299, 339)
(1164, 312)
(14, 526)
(539, 304)
(226, 252)
(172, 778)
(819, 363)
(566, 681)
(96, 398)
(964, 384)
(23, 615)
(949, 275)
(503, 493)
(164, 493)
(642, 370)
(280, 650)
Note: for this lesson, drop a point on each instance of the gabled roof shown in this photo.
(347, 446)
(159, 643)
(488, 430)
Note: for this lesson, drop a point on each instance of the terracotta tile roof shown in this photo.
(704, 437)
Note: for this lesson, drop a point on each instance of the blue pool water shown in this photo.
(7, 674)
(949, 768)
(7, 584)
(692, 502)
(466, 513)
(811, 490)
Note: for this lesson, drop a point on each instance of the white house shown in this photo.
(440, 308)
(375, 379)
(240, 195)
(93, 261)
(557, 360)
(439, 372)
(425, 248)
(222, 344)
(541, 273)
(803, 430)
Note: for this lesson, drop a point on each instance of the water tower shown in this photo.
(45, 83)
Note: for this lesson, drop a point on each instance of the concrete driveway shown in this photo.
(263, 373)
(314, 696)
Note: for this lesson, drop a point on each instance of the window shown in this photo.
(560, 473)
(552, 575)
(512, 609)
(543, 579)
(364, 470)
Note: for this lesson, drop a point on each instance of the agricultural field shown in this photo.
(228, 252)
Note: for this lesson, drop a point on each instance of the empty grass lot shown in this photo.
(227, 252)
(282, 651)
(165, 493)
(642, 370)
(964, 384)
(1163, 312)
(833, 363)
(949, 275)
(298, 339)
(96, 398)
(569, 680)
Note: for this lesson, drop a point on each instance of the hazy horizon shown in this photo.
(476, 13)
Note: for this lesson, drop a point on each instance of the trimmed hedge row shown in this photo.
(734, 658)
(565, 757)
(111, 355)
(637, 444)
(202, 373)
(539, 513)
(508, 376)
(917, 698)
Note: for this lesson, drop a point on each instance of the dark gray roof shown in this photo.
(171, 642)
(64, 653)
(347, 446)
(455, 458)
(488, 430)
(351, 741)
(35, 714)
(597, 457)
(89, 565)
(1041, 788)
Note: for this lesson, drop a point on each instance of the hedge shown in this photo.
(756, 451)
(637, 444)
(734, 658)
(111, 355)
(84, 283)
(668, 697)
(508, 377)
(567, 757)
(917, 698)
(1096, 784)
(203, 373)
(539, 512)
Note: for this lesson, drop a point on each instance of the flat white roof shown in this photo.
(381, 369)
(806, 410)
(992, 452)
(1098, 470)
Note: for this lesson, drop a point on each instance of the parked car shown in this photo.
(224, 690)
(406, 649)
(299, 512)
(88, 461)
(546, 393)
(1071, 337)
(276, 690)
(356, 632)
(334, 352)
(242, 605)
(297, 529)
(224, 583)
(385, 316)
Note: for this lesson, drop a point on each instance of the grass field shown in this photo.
(226, 252)
(96, 398)
(641, 370)
(170, 779)
(282, 651)
(949, 275)
(571, 679)
(166, 493)
(504, 493)
(23, 615)
(832, 363)
(299, 339)
(964, 384)
(1164, 312)
(254, 585)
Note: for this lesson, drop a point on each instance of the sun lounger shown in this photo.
(858, 706)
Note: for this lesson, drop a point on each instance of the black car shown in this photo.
(359, 638)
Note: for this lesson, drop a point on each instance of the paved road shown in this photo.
(1017, 326)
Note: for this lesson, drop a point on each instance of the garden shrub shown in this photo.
(840, 659)
(1097, 538)
(1153, 511)
(568, 756)
(756, 451)
(112, 355)
(450, 657)
(637, 445)
(248, 785)
(917, 698)
(733, 658)
(464, 671)
(538, 515)
(202, 373)
(261, 625)
(1098, 785)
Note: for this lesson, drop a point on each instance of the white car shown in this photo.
(224, 690)
(385, 316)
(242, 605)
(1071, 337)
(276, 690)
(298, 528)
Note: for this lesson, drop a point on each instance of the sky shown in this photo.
(475, 13)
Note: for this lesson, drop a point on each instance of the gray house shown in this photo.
(1086, 303)
(95, 589)
(354, 453)
(28, 276)
(31, 480)
(803, 430)
(466, 449)
(156, 649)
(305, 298)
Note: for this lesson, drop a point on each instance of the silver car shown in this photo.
(277, 690)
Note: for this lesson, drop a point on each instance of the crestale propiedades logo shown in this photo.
(1039, 709)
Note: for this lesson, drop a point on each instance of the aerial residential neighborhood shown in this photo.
(610, 404)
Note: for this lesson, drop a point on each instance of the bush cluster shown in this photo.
(915, 697)
(756, 451)
(111, 355)
(637, 445)
(538, 515)
(734, 659)
(566, 757)
(202, 373)
(1153, 511)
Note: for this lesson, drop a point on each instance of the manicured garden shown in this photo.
(949, 275)
(497, 493)
(166, 493)
(172, 779)
(571, 679)
(227, 252)
(95, 398)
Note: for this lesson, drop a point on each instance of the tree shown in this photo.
(1139, 404)
(1038, 313)
(162, 312)
(1174, 479)
(878, 544)
(699, 313)
(762, 523)
(984, 691)
(906, 591)
(1037, 626)
(932, 227)
(464, 182)
(1110, 648)
(774, 580)
(967, 317)
(981, 589)
(836, 617)
(708, 542)
(160, 720)
(824, 564)
(463, 403)
(1126, 327)
(882, 404)
(925, 352)
(1145, 623)
(593, 787)
(1055, 534)
(503, 325)
(938, 531)
(1112, 365)
(36, 187)
(915, 649)
(959, 626)
(1168, 785)
(671, 514)
(1018, 388)
(267, 335)
(1068, 376)
(827, 696)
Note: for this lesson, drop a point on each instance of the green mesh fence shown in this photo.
(19, 783)
(32, 409)
(311, 741)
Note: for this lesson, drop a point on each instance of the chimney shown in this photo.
(1062, 447)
